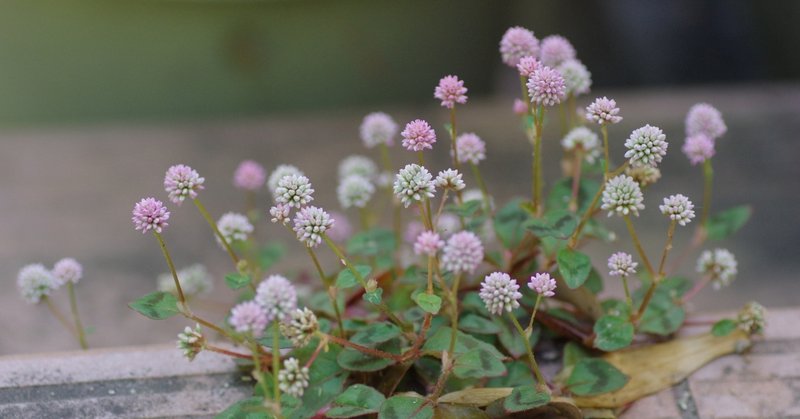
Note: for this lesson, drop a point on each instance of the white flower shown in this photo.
(355, 191)
(449, 179)
(191, 342)
(195, 280)
(34, 282)
(678, 208)
(310, 223)
(277, 296)
(279, 173)
(292, 378)
(646, 146)
(300, 326)
(500, 292)
(294, 191)
(358, 165)
(234, 227)
(413, 183)
(621, 264)
(720, 265)
(577, 77)
(622, 196)
(586, 139)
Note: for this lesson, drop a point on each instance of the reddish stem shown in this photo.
(234, 354)
(363, 349)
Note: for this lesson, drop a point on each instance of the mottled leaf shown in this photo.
(593, 376)
(157, 305)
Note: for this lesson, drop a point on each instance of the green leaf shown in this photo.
(574, 266)
(346, 279)
(723, 327)
(270, 255)
(724, 224)
(404, 407)
(357, 400)
(525, 398)
(511, 340)
(376, 333)
(612, 333)
(473, 323)
(558, 224)
(519, 374)
(466, 209)
(373, 297)
(251, 408)
(455, 411)
(478, 363)
(236, 280)
(373, 242)
(353, 360)
(594, 282)
(662, 319)
(508, 223)
(573, 353)
(593, 376)
(428, 302)
(440, 341)
(561, 193)
(157, 305)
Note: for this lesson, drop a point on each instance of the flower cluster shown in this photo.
(355, 191)
(195, 280)
(546, 87)
(249, 317)
(678, 208)
(719, 264)
(584, 139)
(646, 146)
(752, 318)
(516, 44)
(603, 111)
(278, 297)
(449, 179)
(704, 119)
(470, 148)
(249, 176)
(500, 293)
(577, 78)
(292, 378)
(621, 264)
(556, 50)
(413, 183)
(191, 342)
(67, 270)
(378, 128)
(182, 181)
(279, 173)
(35, 282)
(418, 135)
(310, 223)
(543, 284)
(462, 253)
(234, 227)
(450, 91)
(300, 327)
(428, 243)
(622, 196)
(294, 191)
(150, 214)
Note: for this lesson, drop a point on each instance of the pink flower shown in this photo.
(418, 136)
(150, 214)
(182, 181)
(249, 176)
(249, 317)
(470, 148)
(463, 252)
(500, 293)
(450, 91)
(621, 264)
(603, 111)
(698, 148)
(378, 128)
(518, 42)
(310, 223)
(546, 86)
(705, 119)
(428, 243)
(520, 107)
(555, 50)
(67, 270)
(527, 65)
(543, 284)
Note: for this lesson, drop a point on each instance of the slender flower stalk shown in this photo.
(258, 372)
(639, 248)
(537, 160)
(276, 363)
(171, 265)
(227, 352)
(59, 315)
(708, 177)
(606, 161)
(213, 224)
(487, 203)
(656, 279)
(529, 329)
(542, 384)
(73, 303)
(576, 178)
(330, 288)
(453, 148)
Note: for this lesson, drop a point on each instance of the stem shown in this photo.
(696, 288)
(571, 110)
(329, 287)
(628, 298)
(164, 250)
(667, 248)
(453, 147)
(533, 315)
(639, 248)
(576, 179)
(396, 214)
(536, 372)
(441, 207)
(430, 275)
(363, 216)
(73, 303)
(562, 116)
(322, 343)
(421, 158)
(59, 316)
(276, 362)
(573, 241)
(454, 314)
(223, 351)
(482, 185)
(377, 353)
(708, 175)
(214, 227)
(659, 275)
(606, 162)
(537, 162)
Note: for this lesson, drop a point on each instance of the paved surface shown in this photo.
(68, 191)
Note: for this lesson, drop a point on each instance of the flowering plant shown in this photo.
(441, 314)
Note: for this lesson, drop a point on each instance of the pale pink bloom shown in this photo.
(705, 119)
(277, 296)
(418, 135)
(378, 128)
(150, 214)
(182, 181)
(543, 284)
(462, 253)
(249, 317)
(678, 208)
(310, 223)
(67, 270)
(249, 176)
(518, 42)
(342, 229)
(546, 86)
(698, 148)
(603, 111)
(428, 243)
(621, 264)
(556, 49)
(527, 66)
(450, 91)
(520, 107)
(470, 148)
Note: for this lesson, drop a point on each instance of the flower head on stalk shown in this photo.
(520, 108)
(279, 173)
(182, 181)
(413, 183)
(720, 265)
(300, 327)
(470, 148)
(341, 230)
(280, 213)
(705, 119)
(644, 175)
(428, 243)
(527, 66)
(418, 135)
(543, 284)
(294, 191)
(546, 86)
(195, 280)
(577, 78)
(517, 43)
(378, 128)
(500, 293)
(449, 179)
(249, 176)
(310, 223)
(278, 297)
(752, 318)
(292, 378)
(555, 50)
(462, 253)
(67, 270)
(354, 191)
(586, 140)
(621, 264)
(249, 317)
(646, 146)
(150, 214)
(450, 91)
(603, 111)
(698, 148)
(358, 166)
(678, 208)
(234, 227)
(191, 342)
(35, 282)
(622, 196)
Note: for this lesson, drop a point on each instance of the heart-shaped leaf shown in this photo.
(612, 333)
(236, 280)
(574, 266)
(724, 224)
(346, 279)
(157, 305)
(525, 398)
(593, 376)
(357, 400)
(428, 302)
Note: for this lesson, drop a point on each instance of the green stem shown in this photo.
(536, 372)
(330, 289)
(276, 363)
(258, 372)
(59, 316)
(214, 227)
(453, 147)
(377, 353)
(606, 162)
(639, 247)
(708, 175)
(562, 116)
(573, 241)
(571, 111)
(576, 179)
(482, 185)
(171, 265)
(628, 298)
(533, 314)
(363, 216)
(73, 303)
(454, 314)
(430, 275)
(537, 162)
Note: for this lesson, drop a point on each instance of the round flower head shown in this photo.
(462, 253)
(249, 317)
(300, 327)
(678, 208)
(603, 111)
(698, 148)
(546, 86)
(450, 91)
(646, 146)
(67, 270)
(577, 77)
(280, 213)
(520, 108)
(476, 195)
(358, 165)
(354, 191)
(543, 284)
(527, 65)
(341, 229)
(705, 119)
(278, 297)
(191, 342)
(34, 282)
(623, 196)
(586, 139)
(195, 280)
(470, 148)
(294, 191)
(752, 318)
(500, 292)
(378, 128)
(644, 175)
(384, 180)
(234, 227)
(249, 176)
(517, 43)
(555, 50)
(428, 243)
(309, 225)
(279, 173)
(418, 135)
(182, 181)
(720, 265)
(621, 264)
(449, 179)
(150, 214)
(413, 183)
(292, 378)
(448, 224)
